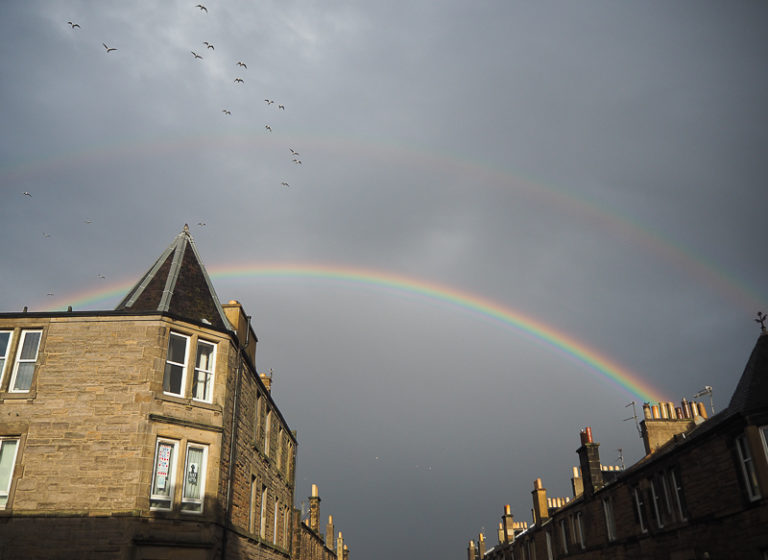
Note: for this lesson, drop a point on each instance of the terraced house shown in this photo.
(701, 491)
(143, 432)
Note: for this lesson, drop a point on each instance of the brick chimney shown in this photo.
(540, 510)
(589, 459)
(508, 521)
(662, 422)
(339, 547)
(329, 533)
(481, 545)
(314, 510)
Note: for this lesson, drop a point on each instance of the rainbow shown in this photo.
(696, 267)
(563, 342)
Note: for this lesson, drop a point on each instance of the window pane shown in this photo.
(7, 457)
(193, 477)
(4, 338)
(204, 356)
(163, 464)
(29, 348)
(173, 377)
(177, 348)
(24, 375)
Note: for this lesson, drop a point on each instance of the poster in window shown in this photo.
(163, 464)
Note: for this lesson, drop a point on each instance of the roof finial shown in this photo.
(761, 317)
(186, 228)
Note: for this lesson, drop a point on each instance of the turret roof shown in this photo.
(178, 284)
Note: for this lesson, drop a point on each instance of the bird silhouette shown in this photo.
(201, 224)
(285, 184)
(239, 63)
(202, 8)
(46, 235)
(109, 49)
(269, 128)
(239, 80)
(88, 221)
(281, 107)
(209, 45)
(49, 294)
(226, 112)
(101, 276)
(26, 193)
(269, 102)
(195, 54)
(73, 25)
(294, 152)
(297, 161)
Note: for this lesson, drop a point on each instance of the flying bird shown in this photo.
(109, 49)
(297, 161)
(88, 221)
(226, 112)
(202, 8)
(201, 224)
(195, 54)
(242, 64)
(269, 128)
(268, 101)
(26, 193)
(46, 235)
(49, 294)
(73, 25)
(209, 45)
(101, 276)
(281, 107)
(239, 80)
(294, 152)
(285, 184)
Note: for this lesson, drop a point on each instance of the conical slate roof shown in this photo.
(752, 391)
(178, 284)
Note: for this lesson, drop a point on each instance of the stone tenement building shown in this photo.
(701, 491)
(144, 432)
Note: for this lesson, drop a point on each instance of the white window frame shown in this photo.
(5, 353)
(610, 522)
(182, 364)
(656, 498)
(637, 494)
(267, 432)
(564, 536)
(677, 487)
(764, 436)
(748, 468)
(274, 529)
(171, 478)
(263, 513)
(195, 502)
(5, 491)
(580, 527)
(549, 545)
(208, 373)
(19, 360)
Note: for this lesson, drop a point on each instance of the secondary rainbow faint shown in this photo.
(598, 362)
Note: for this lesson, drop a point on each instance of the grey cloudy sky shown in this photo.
(597, 166)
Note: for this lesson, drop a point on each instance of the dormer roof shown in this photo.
(178, 284)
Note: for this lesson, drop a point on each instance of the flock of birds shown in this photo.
(238, 81)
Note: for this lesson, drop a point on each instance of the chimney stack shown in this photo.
(540, 509)
(481, 545)
(346, 552)
(314, 510)
(340, 547)
(577, 483)
(589, 460)
(266, 380)
(471, 551)
(657, 429)
(508, 520)
(329, 533)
